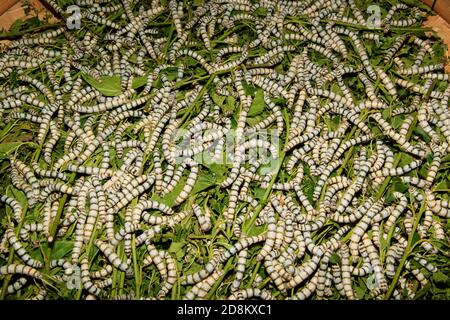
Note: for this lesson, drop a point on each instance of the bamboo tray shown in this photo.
(12, 10)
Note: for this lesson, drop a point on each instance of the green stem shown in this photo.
(349, 153)
(407, 252)
(54, 226)
(264, 282)
(9, 126)
(199, 96)
(121, 274)
(248, 226)
(62, 202)
(18, 34)
(228, 267)
(117, 284)
(11, 253)
(254, 274)
(137, 269)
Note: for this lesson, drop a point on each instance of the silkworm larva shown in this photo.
(21, 252)
(20, 269)
(304, 271)
(112, 257)
(204, 218)
(210, 267)
(307, 290)
(201, 289)
(240, 269)
(101, 273)
(15, 205)
(16, 286)
(158, 259)
(345, 272)
(171, 275)
(271, 235)
(375, 262)
(251, 293)
(86, 280)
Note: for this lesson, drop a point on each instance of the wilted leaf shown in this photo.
(61, 249)
(139, 82)
(18, 195)
(8, 147)
(231, 105)
(219, 171)
(176, 246)
(360, 289)
(217, 99)
(440, 277)
(203, 182)
(335, 258)
(109, 85)
(249, 90)
(258, 104)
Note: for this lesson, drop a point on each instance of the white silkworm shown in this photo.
(112, 257)
(21, 252)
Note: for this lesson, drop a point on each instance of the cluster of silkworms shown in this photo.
(107, 202)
